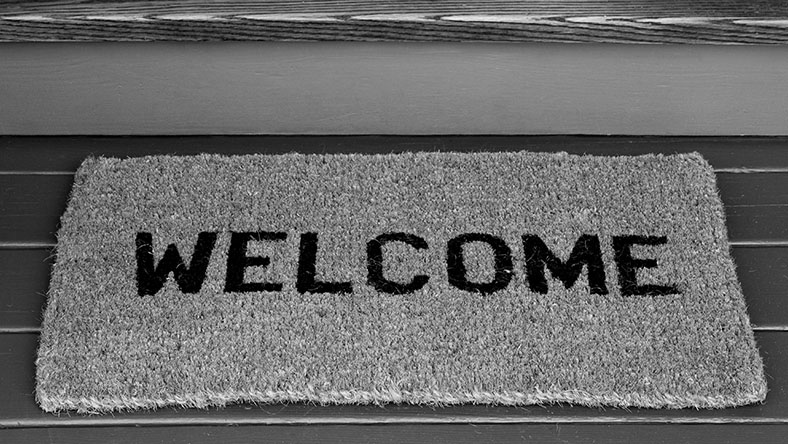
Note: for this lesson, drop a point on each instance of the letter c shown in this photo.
(375, 264)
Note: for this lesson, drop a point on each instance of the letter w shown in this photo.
(150, 280)
(586, 252)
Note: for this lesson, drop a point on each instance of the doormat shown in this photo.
(425, 278)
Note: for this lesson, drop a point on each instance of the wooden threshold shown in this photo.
(618, 21)
(404, 88)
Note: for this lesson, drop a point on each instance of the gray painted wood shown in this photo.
(18, 408)
(413, 433)
(756, 207)
(763, 273)
(682, 21)
(210, 88)
(31, 206)
(24, 279)
(64, 154)
(35, 201)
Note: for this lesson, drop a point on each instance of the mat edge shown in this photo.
(90, 405)
(428, 398)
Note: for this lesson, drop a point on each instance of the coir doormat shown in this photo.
(435, 278)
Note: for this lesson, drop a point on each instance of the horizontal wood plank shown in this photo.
(763, 273)
(65, 153)
(19, 409)
(210, 88)
(682, 21)
(412, 433)
(24, 279)
(756, 206)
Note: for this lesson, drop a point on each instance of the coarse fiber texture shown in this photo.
(506, 278)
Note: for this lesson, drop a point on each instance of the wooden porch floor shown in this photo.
(35, 178)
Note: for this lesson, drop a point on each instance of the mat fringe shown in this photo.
(380, 397)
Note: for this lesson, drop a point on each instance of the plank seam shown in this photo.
(36, 173)
(744, 170)
(758, 243)
(27, 245)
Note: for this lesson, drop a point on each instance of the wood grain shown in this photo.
(24, 279)
(19, 409)
(214, 88)
(624, 21)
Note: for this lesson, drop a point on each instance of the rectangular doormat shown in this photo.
(426, 278)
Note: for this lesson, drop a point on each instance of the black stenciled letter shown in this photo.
(375, 264)
(238, 261)
(627, 266)
(456, 263)
(585, 252)
(307, 255)
(150, 280)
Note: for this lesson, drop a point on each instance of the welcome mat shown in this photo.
(435, 278)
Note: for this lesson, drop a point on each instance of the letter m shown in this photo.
(189, 279)
(585, 252)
